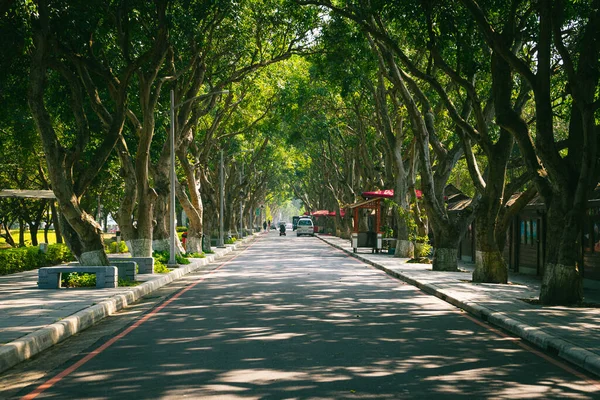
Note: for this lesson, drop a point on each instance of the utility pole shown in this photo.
(173, 231)
(222, 208)
(241, 201)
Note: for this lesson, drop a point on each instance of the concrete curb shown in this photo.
(564, 349)
(29, 345)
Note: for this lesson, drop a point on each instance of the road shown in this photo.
(293, 318)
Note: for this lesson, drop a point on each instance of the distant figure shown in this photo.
(265, 225)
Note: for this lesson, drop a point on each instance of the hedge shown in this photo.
(28, 258)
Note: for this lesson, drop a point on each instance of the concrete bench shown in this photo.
(127, 270)
(145, 264)
(50, 277)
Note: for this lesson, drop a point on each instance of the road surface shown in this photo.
(293, 318)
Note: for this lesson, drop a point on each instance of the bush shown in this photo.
(194, 255)
(230, 241)
(163, 257)
(117, 247)
(58, 253)
(181, 259)
(181, 229)
(422, 249)
(160, 268)
(28, 258)
(75, 279)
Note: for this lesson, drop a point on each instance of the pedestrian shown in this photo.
(265, 225)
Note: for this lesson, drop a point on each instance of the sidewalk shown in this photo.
(32, 319)
(571, 333)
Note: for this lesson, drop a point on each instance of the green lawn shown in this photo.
(40, 236)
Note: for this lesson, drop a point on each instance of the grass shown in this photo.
(40, 237)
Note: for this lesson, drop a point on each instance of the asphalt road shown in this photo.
(292, 318)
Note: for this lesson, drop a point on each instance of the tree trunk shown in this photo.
(208, 228)
(33, 231)
(193, 209)
(10, 240)
(46, 229)
(161, 232)
(490, 266)
(445, 256)
(85, 249)
(21, 233)
(56, 223)
(562, 281)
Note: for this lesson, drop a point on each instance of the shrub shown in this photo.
(194, 255)
(75, 279)
(163, 257)
(422, 249)
(117, 247)
(58, 253)
(160, 268)
(11, 261)
(181, 229)
(181, 259)
(230, 241)
(28, 258)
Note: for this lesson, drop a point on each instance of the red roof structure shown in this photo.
(386, 194)
(320, 213)
(325, 213)
(342, 213)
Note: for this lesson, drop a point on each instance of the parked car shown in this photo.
(305, 227)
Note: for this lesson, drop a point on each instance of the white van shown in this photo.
(305, 227)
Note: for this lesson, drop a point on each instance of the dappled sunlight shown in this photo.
(306, 322)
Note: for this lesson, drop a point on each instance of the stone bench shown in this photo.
(50, 277)
(145, 264)
(127, 270)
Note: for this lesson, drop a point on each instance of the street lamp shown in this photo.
(241, 201)
(172, 228)
(222, 203)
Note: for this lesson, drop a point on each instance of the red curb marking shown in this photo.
(54, 380)
(515, 340)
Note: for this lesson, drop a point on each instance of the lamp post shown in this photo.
(241, 202)
(172, 262)
(172, 228)
(222, 203)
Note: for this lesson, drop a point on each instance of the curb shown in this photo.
(29, 345)
(566, 350)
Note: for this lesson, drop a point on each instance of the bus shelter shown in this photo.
(372, 237)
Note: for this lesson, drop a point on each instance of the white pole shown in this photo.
(172, 262)
(222, 210)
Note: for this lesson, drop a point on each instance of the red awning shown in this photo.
(342, 213)
(387, 194)
(320, 213)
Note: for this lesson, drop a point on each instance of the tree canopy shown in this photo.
(309, 101)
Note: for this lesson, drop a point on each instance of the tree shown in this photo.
(64, 62)
(563, 179)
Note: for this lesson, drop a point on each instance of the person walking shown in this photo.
(265, 225)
